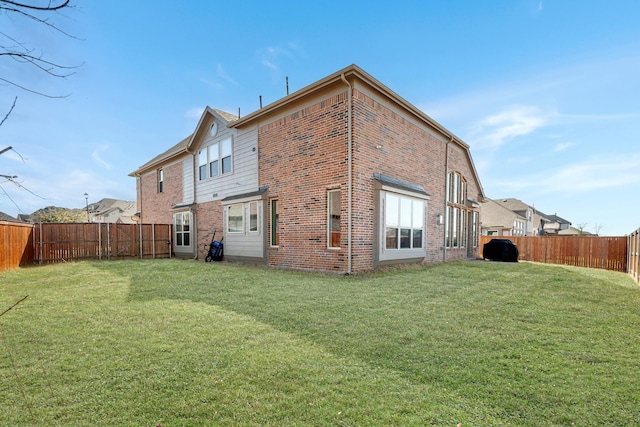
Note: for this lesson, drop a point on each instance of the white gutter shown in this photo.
(349, 175)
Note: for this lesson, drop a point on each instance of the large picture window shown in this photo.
(404, 222)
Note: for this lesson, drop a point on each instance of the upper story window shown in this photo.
(216, 159)
(160, 181)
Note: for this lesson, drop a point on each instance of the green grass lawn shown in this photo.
(181, 343)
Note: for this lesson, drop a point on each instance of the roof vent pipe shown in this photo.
(287, 81)
(260, 101)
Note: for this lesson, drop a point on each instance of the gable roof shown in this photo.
(186, 144)
(353, 73)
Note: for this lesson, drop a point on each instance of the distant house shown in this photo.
(553, 224)
(343, 175)
(113, 211)
(508, 217)
(498, 220)
(7, 217)
(513, 217)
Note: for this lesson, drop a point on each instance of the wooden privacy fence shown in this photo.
(55, 242)
(609, 253)
(25, 244)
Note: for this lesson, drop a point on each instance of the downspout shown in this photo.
(446, 220)
(193, 203)
(349, 174)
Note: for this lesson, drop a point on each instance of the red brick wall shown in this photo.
(156, 207)
(208, 220)
(388, 141)
(302, 156)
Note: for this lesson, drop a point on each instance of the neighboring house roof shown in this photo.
(6, 217)
(572, 231)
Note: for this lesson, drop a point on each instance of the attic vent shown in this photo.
(214, 195)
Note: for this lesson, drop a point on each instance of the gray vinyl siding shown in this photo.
(246, 244)
(244, 175)
(187, 180)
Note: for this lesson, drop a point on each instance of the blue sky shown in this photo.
(546, 93)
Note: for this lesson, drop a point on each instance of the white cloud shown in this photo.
(514, 121)
(563, 146)
(271, 56)
(593, 174)
(223, 75)
(97, 156)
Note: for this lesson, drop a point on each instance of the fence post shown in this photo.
(41, 250)
(153, 238)
(140, 234)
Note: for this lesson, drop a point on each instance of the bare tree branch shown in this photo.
(62, 5)
(33, 91)
(11, 47)
(9, 112)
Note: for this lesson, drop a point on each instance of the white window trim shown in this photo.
(400, 253)
(207, 164)
(329, 219)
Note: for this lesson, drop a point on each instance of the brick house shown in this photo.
(343, 175)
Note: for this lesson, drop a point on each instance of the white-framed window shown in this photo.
(334, 208)
(403, 222)
(160, 181)
(216, 159)
(182, 229)
(202, 164)
(235, 218)
(253, 217)
(456, 213)
(243, 218)
(401, 219)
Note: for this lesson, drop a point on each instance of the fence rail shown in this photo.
(609, 253)
(24, 244)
